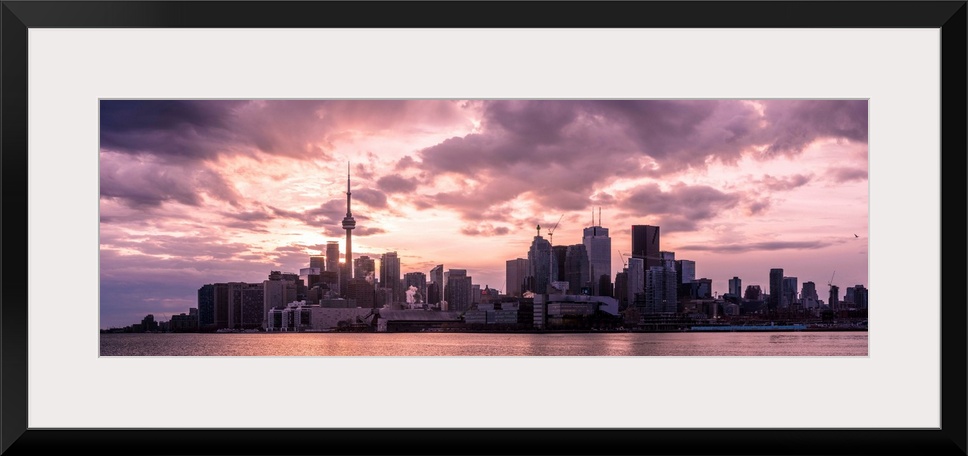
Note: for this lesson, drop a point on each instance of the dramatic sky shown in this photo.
(205, 191)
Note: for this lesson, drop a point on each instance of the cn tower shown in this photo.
(348, 224)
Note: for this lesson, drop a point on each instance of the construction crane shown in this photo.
(625, 264)
(831, 281)
(551, 232)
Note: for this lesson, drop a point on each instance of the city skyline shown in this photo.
(197, 192)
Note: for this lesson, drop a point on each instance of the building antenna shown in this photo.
(599, 216)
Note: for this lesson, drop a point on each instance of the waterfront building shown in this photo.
(206, 306)
(221, 305)
(736, 287)
(598, 249)
(245, 305)
(278, 290)
(184, 323)
(568, 310)
(515, 273)
(776, 289)
(298, 316)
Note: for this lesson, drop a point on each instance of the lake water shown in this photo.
(840, 343)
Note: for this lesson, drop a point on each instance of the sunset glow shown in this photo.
(196, 192)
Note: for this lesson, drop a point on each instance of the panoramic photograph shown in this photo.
(483, 227)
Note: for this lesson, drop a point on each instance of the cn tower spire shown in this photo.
(348, 224)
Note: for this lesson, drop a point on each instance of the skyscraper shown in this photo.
(776, 288)
(636, 281)
(390, 275)
(789, 291)
(735, 287)
(517, 270)
(598, 248)
(560, 252)
(576, 270)
(645, 244)
(543, 268)
(332, 256)
(435, 290)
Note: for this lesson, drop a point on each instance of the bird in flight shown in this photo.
(856, 235)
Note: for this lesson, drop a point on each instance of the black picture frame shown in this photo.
(18, 16)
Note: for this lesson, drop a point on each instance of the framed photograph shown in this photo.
(145, 144)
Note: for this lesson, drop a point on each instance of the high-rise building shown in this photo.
(517, 270)
(860, 296)
(221, 305)
(332, 256)
(645, 244)
(278, 291)
(390, 275)
(808, 295)
(833, 300)
(735, 287)
(245, 304)
(543, 267)
(636, 281)
(598, 248)
(622, 289)
(660, 290)
(576, 270)
(457, 290)
(560, 253)
(206, 306)
(435, 290)
(789, 292)
(776, 289)
(686, 269)
(364, 267)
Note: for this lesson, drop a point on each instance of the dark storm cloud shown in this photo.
(841, 175)
(140, 183)
(792, 125)
(168, 128)
(558, 152)
(756, 246)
